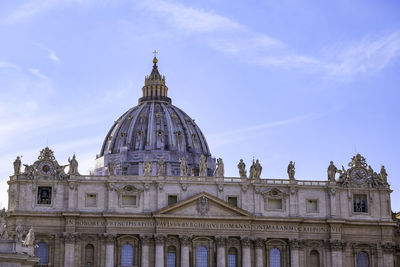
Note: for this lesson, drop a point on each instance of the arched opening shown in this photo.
(232, 257)
(42, 253)
(314, 258)
(362, 259)
(171, 256)
(201, 256)
(127, 255)
(274, 257)
(89, 255)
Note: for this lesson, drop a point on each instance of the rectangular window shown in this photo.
(275, 204)
(312, 205)
(172, 199)
(360, 203)
(128, 200)
(44, 195)
(91, 200)
(232, 201)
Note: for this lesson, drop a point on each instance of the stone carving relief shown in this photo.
(30, 238)
(203, 205)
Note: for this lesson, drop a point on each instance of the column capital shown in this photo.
(295, 243)
(259, 243)
(146, 239)
(109, 238)
(246, 241)
(185, 240)
(388, 247)
(336, 244)
(70, 237)
(160, 239)
(221, 241)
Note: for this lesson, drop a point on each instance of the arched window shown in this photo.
(171, 256)
(362, 259)
(127, 255)
(232, 257)
(41, 253)
(89, 255)
(201, 256)
(274, 257)
(314, 258)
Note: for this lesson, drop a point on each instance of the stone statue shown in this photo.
(60, 173)
(3, 231)
(383, 174)
(111, 165)
(291, 170)
(29, 171)
(203, 165)
(257, 169)
(370, 171)
(343, 178)
(73, 166)
(147, 166)
(17, 165)
(184, 167)
(192, 172)
(331, 172)
(252, 170)
(19, 230)
(161, 167)
(242, 169)
(219, 172)
(30, 238)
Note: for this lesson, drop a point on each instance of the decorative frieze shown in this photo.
(336, 244)
(109, 238)
(70, 237)
(295, 243)
(259, 243)
(220, 241)
(159, 239)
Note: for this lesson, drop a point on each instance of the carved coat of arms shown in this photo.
(202, 205)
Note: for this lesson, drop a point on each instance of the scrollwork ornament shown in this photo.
(184, 186)
(220, 187)
(73, 186)
(146, 186)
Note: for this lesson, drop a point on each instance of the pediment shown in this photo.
(202, 205)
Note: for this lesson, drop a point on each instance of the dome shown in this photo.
(152, 130)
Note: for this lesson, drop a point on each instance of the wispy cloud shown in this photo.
(51, 54)
(238, 135)
(8, 65)
(38, 74)
(370, 54)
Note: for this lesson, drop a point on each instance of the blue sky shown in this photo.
(309, 81)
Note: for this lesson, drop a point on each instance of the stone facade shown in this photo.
(119, 219)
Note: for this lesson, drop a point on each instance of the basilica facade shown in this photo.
(158, 198)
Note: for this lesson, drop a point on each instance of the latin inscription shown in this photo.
(205, 225)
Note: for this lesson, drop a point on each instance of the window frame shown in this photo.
(355, 194)
(233, 196)
(317, 205)
(51, 195)
(86, 200)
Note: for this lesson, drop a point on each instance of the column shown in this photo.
(388, 249)
(221, 255)
(246, 260)
(145, 250)
(110, 240)
(69, 249)
(259, 245)
(336, 252)
(294, 252)
(159, 239)
(185, 244)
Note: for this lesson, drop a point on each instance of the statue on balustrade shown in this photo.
(242, 169)
(332, 170)
(291, 170)
(219, 172)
